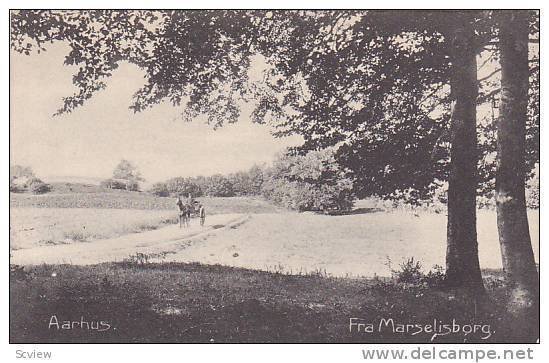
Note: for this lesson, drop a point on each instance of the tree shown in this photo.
(462, 263)
(20, 177)
(125, 176)
(127, 171)
(373, 94)
(256, 178)
(310, 182)
(18, 171)
(218, 185)
(180, 186)
(37, 186)
(514, 236)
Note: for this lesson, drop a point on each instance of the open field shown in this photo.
(350, 245)
(97, 197)
(84, 213)
(368, 242)
(215, 304)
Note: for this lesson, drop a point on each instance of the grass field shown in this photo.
(78, 196)
(204, 303)
(83, 213)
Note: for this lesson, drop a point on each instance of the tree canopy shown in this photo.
(374, 84)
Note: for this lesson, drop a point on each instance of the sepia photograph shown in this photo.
(274, 176)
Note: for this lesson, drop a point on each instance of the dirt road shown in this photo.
(158, 242)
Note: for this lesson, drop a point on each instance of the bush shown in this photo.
(37, 186)
(410, 272)
(113, 184)
(132, 185)
(160, 190)
(247, 182)
(183, 186)
(312, 182)
(14, 188)
(219, 186)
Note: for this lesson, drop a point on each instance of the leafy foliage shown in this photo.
(218, 186)
(183, 186)
(311, 182)
(373, 84)
(125, 176)
(410, 271)
(37, 186)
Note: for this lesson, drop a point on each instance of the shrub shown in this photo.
(183, 186)
(37, 186)
(160, 190)
(409, 272)
(77, 236)
(132, 185)
(14, 188)
(311, 182)
(219, 186)
(435, 277)
(113, 184)
(247, 182)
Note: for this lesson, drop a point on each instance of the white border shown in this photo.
(241, 352)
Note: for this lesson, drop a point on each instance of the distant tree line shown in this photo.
(310, 182)
(242, 183)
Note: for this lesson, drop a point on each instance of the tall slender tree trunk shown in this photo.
(462, 264)
(514, 236)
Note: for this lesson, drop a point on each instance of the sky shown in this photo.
(90, 141)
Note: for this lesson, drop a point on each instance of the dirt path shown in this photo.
(157, 243)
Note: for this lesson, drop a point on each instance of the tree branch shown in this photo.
(489, 75)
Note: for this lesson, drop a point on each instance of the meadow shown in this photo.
(84, 213)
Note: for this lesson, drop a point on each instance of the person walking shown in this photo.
(202, 214)
(182, 212)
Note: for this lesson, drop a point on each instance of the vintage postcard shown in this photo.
(274, 176)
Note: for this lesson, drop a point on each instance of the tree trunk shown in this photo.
(462, 264)
(514, 236)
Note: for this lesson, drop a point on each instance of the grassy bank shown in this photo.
(203, 303)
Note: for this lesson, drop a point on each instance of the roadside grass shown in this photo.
(31, 227)
(183, 303)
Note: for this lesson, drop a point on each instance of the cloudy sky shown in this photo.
(92, 140)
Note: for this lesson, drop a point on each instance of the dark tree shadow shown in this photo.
(356, 211)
